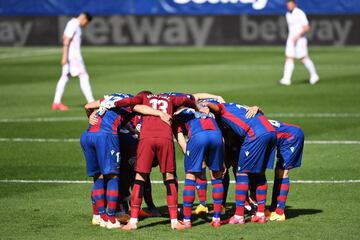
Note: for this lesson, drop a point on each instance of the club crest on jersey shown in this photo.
(112, 152)
(247, 153)
(188, 152)
(292, 149)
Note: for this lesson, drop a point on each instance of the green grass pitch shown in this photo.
(246, 75)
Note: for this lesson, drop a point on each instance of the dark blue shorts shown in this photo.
(208, 146)
(289, 153)
(102, 153)
(258, 154)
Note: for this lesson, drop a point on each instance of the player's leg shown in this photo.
(226, 184)
(143, 165)
(289, 157)
(188, 197)
(261, 187)
(112, 194)
(60, 88)
(93, 170)
(166, 157)
(241, 189)
(282, 193)
(302, 53)
(201, 189)
(99, 196)
(108, 155)
(215, 164)
(289, 63)
(85, 86)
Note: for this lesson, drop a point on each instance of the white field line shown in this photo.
(83, 118)
(71, 140)
(42, 119)
(161, 182)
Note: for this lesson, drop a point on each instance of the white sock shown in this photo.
(186, 220)
(260, 214)
(238, 217)
(174, 221)
(85, 87)
(60, 87)
(309, 66)
(133, 221)
(215, 219)
(288, 69)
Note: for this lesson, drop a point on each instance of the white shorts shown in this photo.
(74, 67)
(296, 50)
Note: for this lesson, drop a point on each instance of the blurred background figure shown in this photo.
(72, 61)
(296, 44)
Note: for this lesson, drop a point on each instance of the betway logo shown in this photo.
(256, 4)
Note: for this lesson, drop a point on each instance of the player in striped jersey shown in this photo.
(290, 144)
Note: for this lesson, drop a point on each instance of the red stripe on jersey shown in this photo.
(96, 128)
(292, 125)
(266, 124)
(284, 135)
(207, 124)
(116, 124)
(239, 122)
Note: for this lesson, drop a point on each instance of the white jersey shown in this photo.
(73, 31)
(296, 20)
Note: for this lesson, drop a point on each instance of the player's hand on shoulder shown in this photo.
(252, 111)
(93, 118)
(108, 103)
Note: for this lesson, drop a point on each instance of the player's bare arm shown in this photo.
(91, 107)
(181, 141)
(65, 56)
(208, 95)
(213, 107)
(146, 110)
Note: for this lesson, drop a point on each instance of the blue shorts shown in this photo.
(258, 154)
(102, 153)
(208, 146)
(289, 153)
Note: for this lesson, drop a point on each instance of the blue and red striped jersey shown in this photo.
(286, 132)
(112, 119)
(191, 122)
(234, 115)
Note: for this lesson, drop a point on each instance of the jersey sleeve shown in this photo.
(129, 102)
(183, 101)
(303, 19)
(70, 29)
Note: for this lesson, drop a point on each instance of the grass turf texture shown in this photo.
(245, 75)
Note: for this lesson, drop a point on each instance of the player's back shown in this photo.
(287, 132)
(112, 119)
(235, 116)
(154, 127)
(193, 122)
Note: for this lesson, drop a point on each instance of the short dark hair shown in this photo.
(294, 1)
(88, 16)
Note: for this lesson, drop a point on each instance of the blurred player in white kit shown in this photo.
(296, 44)
(72, 61)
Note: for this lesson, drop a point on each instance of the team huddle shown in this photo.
(129, 135)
